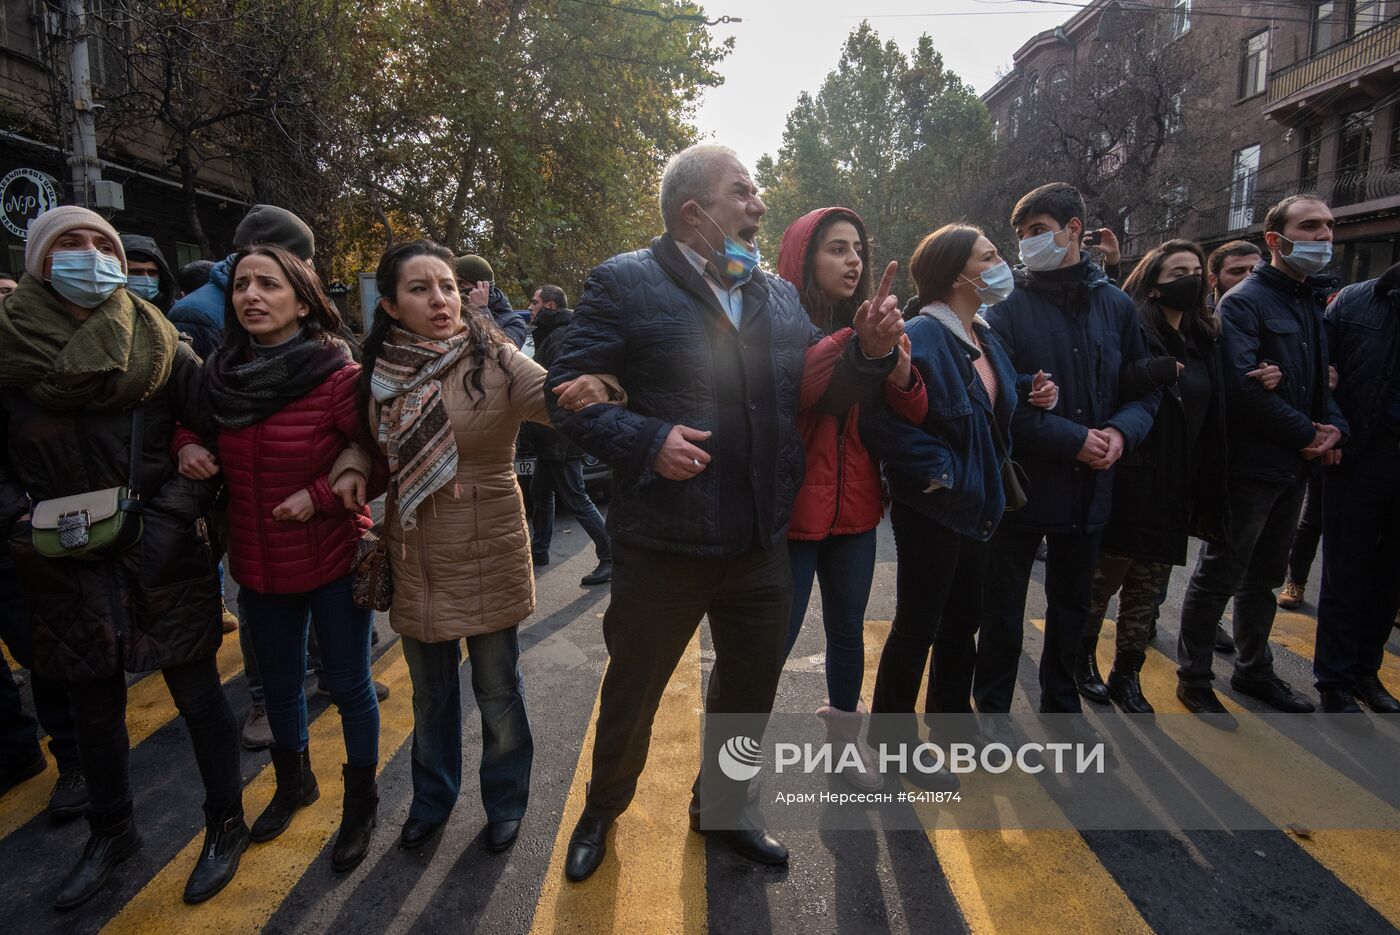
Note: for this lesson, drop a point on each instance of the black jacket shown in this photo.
(1157, 504)
(1082, 330)
(1273, 317)
(515, 325)
(649, 318)
(1363, 339)
(140, 245)
(154, 606)
(548, 443)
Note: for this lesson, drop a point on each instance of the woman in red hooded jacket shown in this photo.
(826, 255)
(283, 388)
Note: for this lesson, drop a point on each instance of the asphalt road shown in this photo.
(659, 877)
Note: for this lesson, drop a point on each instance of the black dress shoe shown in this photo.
(1202, 700)
(1087, 678)
(112, 841)
(225, 840)
(539, 559)
(501, 834)
(11, 776)
(1370, 690)
(416, 833)
(588, 845)
(1275, 692)
(70, 796)
(1224, 642)
(747, 840)
(600, 575)
(1338, 701)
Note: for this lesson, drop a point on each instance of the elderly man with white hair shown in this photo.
(710, 351)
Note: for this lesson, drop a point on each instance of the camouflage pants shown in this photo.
(1137, 584)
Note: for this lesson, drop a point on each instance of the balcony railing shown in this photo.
(1371, 181)
(1360, 51)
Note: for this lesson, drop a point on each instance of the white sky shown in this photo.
(784, 47)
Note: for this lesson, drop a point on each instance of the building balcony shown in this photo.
(1365, 61)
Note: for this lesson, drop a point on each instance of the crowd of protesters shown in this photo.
(162, 428)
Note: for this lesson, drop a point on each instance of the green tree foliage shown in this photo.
(898, 138)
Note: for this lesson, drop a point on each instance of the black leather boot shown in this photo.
(358, 816)
(114, 839)
(1086, 674)
(296, 788)
(225, 840)
(1124, 686)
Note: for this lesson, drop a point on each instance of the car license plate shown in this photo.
(525, 466)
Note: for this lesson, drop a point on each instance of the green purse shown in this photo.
(95, 525)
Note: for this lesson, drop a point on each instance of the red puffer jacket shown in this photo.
(268, 462)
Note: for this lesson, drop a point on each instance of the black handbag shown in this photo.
(1013, 476)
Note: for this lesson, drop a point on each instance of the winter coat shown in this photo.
(201, 313)
(1363, 339)
(1157, 504)
(514, 325)
(134, 244)
(465, 570)
(265, 463)
(1271, 317)
(1081, 329)
(650, 319)
(547, 442)
(155, 605)
(948, 464)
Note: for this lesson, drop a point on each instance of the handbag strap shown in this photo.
(133, 474)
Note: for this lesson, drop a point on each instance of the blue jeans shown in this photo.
(564, 480)
(845, 567)
(507, 749)
(279, 634)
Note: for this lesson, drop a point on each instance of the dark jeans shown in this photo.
(1069, 578)
(1141, 587)
(563, 479)
(938, 605)
(845, 567)
(1263, 517)
(279, 636)
(99, 708)
(253, 672)
(1305, 540)
(658, 599)
(1360, 565)
(19, 738)
(507, 748)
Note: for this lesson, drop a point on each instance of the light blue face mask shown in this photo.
(997, 283)
(1308, 256)
(1041, 253)
(147, 287)
(86, 278)
(736, 262)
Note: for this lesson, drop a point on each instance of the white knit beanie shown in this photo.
(52, 224)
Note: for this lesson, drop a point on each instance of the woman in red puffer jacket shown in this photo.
(283, 389)
(826, 255)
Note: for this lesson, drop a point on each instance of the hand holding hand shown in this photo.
(1094, 449)
(297, 508)
(1116, 444)
(196, 462)
(1327, 438)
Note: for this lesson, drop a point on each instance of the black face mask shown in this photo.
(1182, 295)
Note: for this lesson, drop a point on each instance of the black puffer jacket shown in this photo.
(548, 443)
(139, 246)
(649, 318)
(156, 605)
(1363, 338)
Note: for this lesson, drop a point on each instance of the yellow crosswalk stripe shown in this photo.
(1367, 862)
(148, 709)
(270, 871)
(655, 868)
(1014, 880)
(1298, 633)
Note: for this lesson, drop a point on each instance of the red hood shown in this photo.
(792, 252)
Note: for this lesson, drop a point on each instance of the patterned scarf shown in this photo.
(414, 429)
(246, 390)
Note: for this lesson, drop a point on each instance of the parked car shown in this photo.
(597, 476)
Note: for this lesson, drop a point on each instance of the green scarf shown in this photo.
(118, 358)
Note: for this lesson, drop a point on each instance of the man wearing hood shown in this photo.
(148, 275)
(471, 270)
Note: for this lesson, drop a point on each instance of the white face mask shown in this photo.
(1308, 256)
(998, 283)
(1042, 253)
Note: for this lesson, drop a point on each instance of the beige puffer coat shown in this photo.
(466, 569)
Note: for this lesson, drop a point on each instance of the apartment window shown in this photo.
(106, 46)
(1328, 25)
(186, 253)
(1254, 64)
(1059, 79)
(1395, 138)
(1175, 109)
(1181, 17)
(1365, 14)
(1244, 177)
(18, 27)
(1310, 153)
(1354, 144)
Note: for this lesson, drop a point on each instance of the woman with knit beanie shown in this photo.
(283, 392)
(92, 383)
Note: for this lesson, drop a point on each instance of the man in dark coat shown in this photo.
(708, 460)
(148, 275)
(1275, 436)
(472, 269)
(1361, 522)
(1066, 319)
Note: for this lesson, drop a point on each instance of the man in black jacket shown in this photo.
(558, 463)
(471, 271)
(1066, 319)
(1275, 435)
(1361, 522)
(707, 459)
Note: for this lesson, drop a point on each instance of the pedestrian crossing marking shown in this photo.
(269, 871)
(655, 866)
(1014, 880)
(1298, 633)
